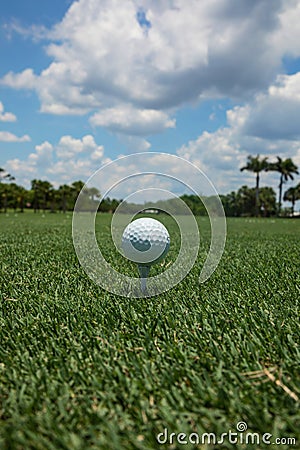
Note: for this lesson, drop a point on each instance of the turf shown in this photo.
(81, 368)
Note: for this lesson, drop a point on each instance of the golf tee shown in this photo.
(144, 272)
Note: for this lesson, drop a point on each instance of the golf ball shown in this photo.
(145, 241)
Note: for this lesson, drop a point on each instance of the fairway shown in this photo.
(81, 368)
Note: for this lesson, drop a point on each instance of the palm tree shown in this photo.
(4, 176)
(292, 195)
(256, 165)
(286, 168)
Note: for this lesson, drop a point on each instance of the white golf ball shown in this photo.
(145, 241)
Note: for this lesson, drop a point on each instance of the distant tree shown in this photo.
(12, 196)
(292, 195)
(246, 198)
(21, 195)
(110, 205)
(287, 169)
(114, 204)
(4, 177)
(267, 199)
(64, 196)
(93, 195)
(52, 199)
(242, 202)
(46, 190)
(194, 203)
(36, 194)
(256, 164)
(88, 199)
(231, 204)
(42, 192)
(76, 187)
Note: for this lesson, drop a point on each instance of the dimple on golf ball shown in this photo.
(145, 241)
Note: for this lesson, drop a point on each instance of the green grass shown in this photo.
(83, 369)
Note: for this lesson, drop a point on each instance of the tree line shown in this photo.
(246, 201)
(258, 201)
(42, 196)
(286, 170)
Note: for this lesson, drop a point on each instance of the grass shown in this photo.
(83, 369)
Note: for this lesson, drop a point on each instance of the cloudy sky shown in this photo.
(83, 82)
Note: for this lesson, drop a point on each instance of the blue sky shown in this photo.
(84, 82)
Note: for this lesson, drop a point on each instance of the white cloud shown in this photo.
(64, 162)
(6, 136)
(34, 32)
(131, 78)
(68, 147)
(287, 37)
(42, 156)
(6, 116)
(219, 155)
(268, 125)
(135, 143)
(103, 57)
(23, 80)
(125, 119)
(286, 87)
(272, 115)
